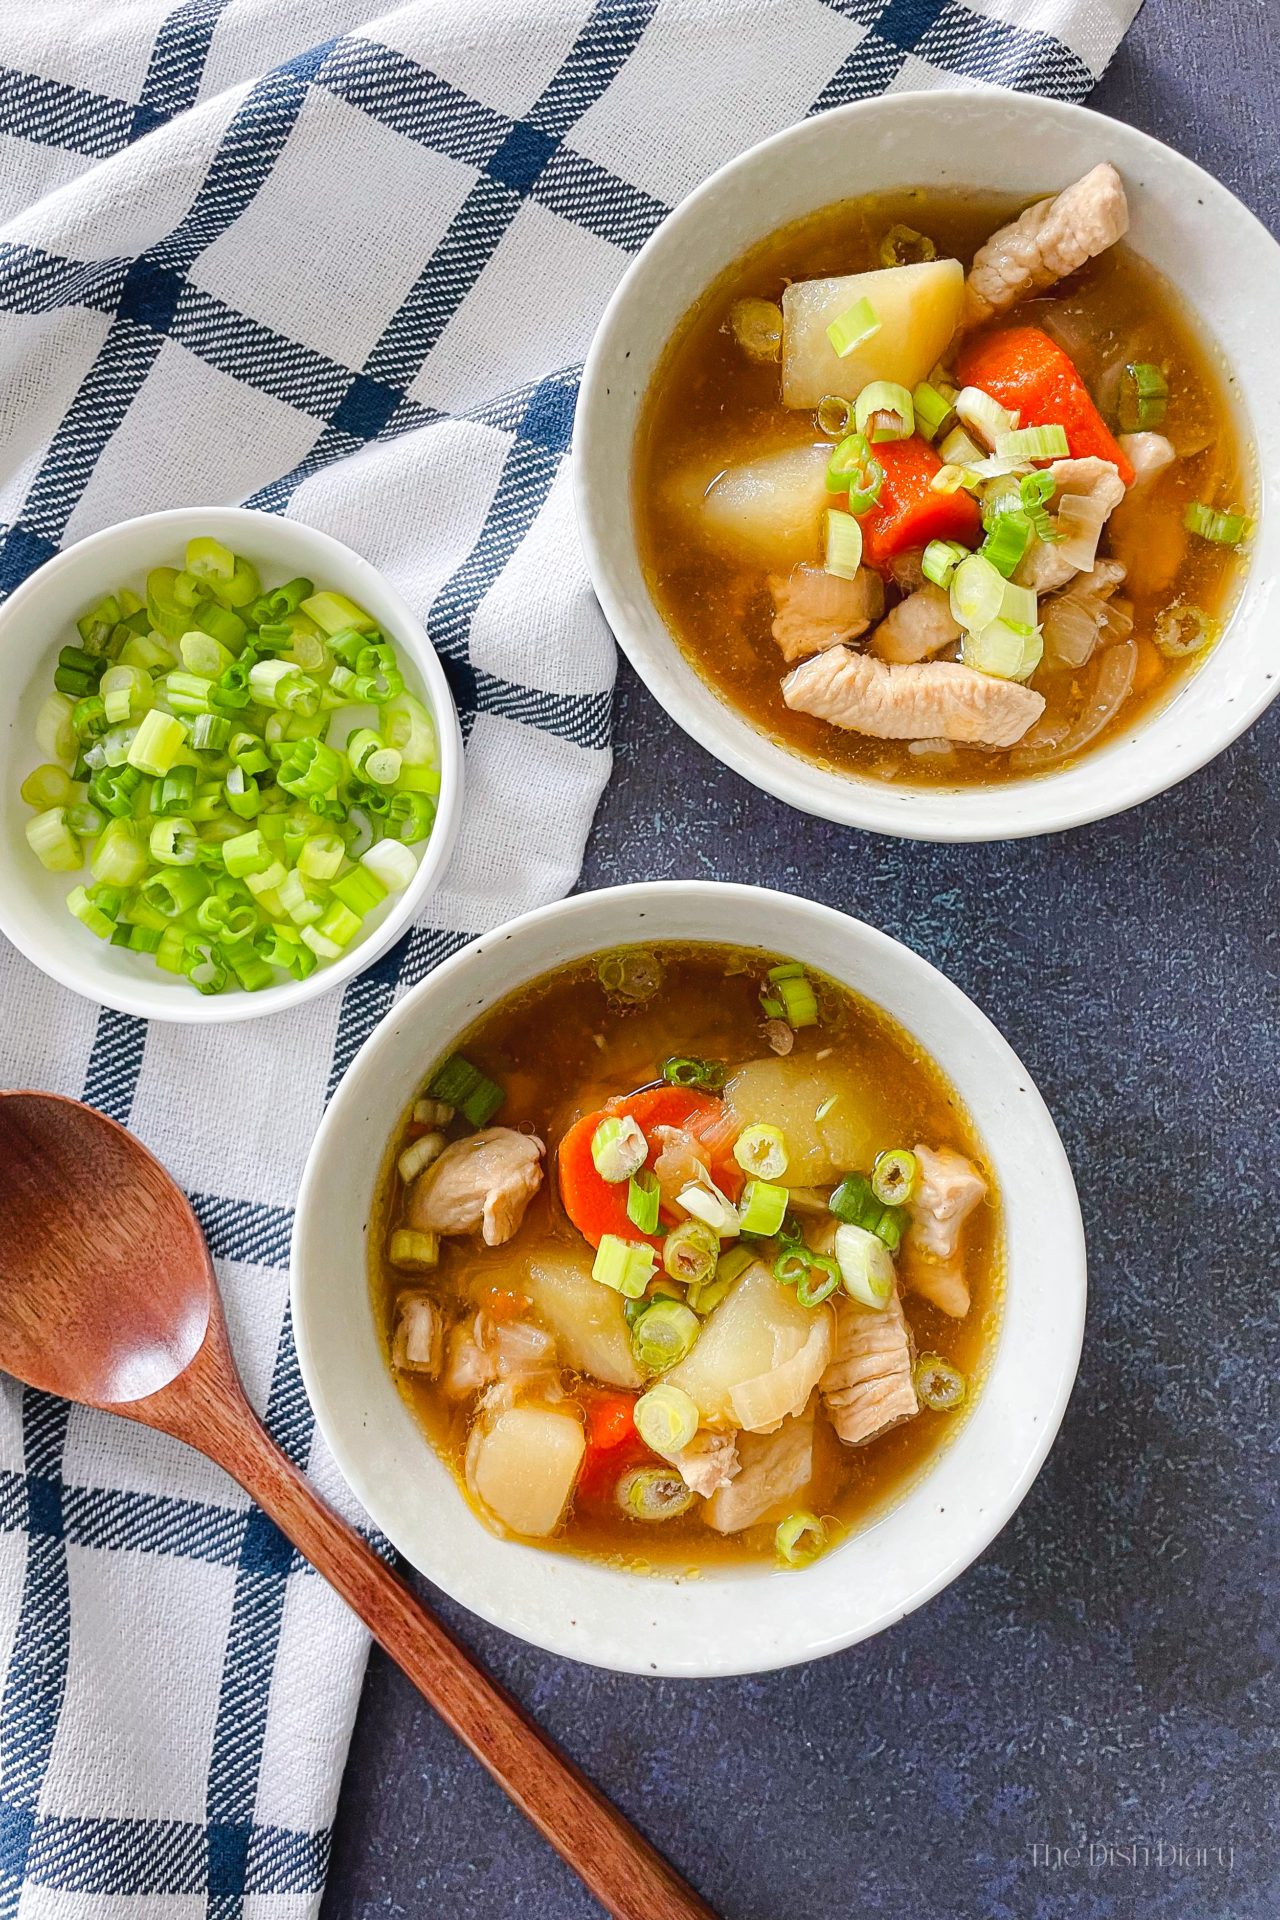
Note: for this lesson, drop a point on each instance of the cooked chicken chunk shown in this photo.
(709, 1462)
(417, 1346)
(814, 609)
(867, 1388)
(950, 1188)
(485, 1181)
(1044, 244)
(773, 1469)
(934, 700)
(1148, 454)
(482, 1351)
(921, 624)
(1046, 567)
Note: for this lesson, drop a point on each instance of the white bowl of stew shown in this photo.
(670, 401)
(889, 1054)
(38, 621)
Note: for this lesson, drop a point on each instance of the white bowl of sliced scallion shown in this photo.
(232, 765)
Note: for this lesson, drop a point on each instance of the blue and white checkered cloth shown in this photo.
(349, 279)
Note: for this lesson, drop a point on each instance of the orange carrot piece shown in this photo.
(909, 513)
(1028, 373)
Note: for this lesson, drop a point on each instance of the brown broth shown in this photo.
(707, 401)
(562, 1046)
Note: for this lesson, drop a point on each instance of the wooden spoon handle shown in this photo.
(628, 1878)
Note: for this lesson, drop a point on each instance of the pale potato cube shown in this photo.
(918, 308)
(789, 1093)
(522, 1463)
(757, 1327)
(769, 511)
(588, 1320)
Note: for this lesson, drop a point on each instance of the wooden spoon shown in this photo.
(108, 1297)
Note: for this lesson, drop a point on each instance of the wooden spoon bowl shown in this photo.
(108, 1297)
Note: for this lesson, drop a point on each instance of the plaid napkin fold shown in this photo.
(352, 281)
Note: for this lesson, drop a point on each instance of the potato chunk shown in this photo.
(918, 308)
(586, 1318)
(787, 1093)
(522, 1463)
(769, 511)
(758, 1327)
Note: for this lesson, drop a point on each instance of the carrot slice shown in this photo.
(613, 1444)
(909, 513)
(598, 1206)
(1027, 372)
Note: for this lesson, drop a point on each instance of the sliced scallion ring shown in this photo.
(853, 328)
(666, 1417)
(903, 247)
(1144, 397)
(884, 411)
(800, 1538)
(653, 1493)
(762, 1152)
(834, 415)
(844, 545)
(895, 1176)
(1182, 629)
(939, 1386)
(1222, 529)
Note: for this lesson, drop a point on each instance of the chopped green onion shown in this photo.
(173, 841)
(1181, 630)
(819, 1280)
(933, 412)
(1144, 397)
(762, 1209)
(1223, 529)
(618, 1149)
(756, 325)
(359, 891)
(391, 863)
(834, 415)
(1005, 651)
(1007, 542)
(703, 1295)
(800, 1538)
(418, 1156)
(884, 411)
(175, 891)
(666, 1417)
(895, 1177)
(977, 592)
(119, 856)
(855, 471)
(939, 1386)
(1033, 443)
(985, 416)
(941, 558)
(903, 246)
(1036, 491)
(799, 1002)
(708, 1204)
(844, 545)
(866, 1266)
(762, 1152)
(48, 786)
(853, 328)
(826, 1106)
(683, 1071)
(89, 915)
(663, 1334)
(690, 1252)
(623, 1265)
(52, 841)
(643, 1198)
(653, 1493)
(418, 1252)
(463, 1086)
(410, 816)
(958, 450)
(157, 742)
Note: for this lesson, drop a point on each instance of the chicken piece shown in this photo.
(906, 570)
(709, 1462)
(921, 624)
(1045, 243)
(1148, 454)
(1045, 567)
(867, 1388)
(486, 1180)
(814, 609)
(482, 1351)
(932, 1265)
(933, 700)
(417, 1345)
(773, 1469)
(682, 1162)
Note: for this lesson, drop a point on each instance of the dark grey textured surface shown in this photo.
(1105, 1673)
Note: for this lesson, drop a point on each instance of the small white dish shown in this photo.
(733, 1620)
(39, 618)
(1221, 260)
